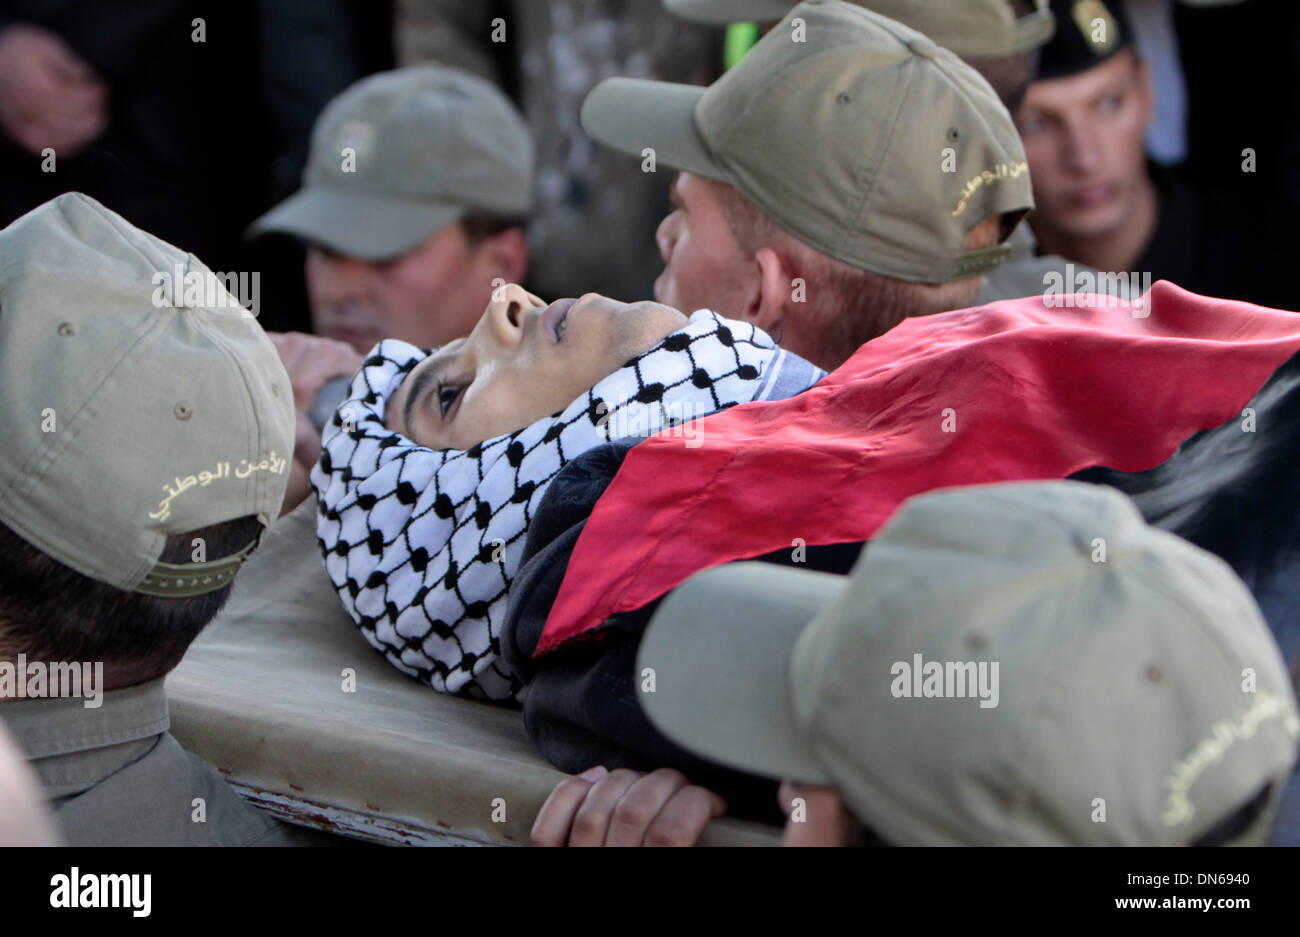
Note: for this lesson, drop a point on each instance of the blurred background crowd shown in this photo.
(192, 119)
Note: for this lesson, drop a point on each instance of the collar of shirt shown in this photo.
(71, 747)
(787, 375)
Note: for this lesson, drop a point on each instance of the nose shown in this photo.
(1081, 149)
(336, 275)
(508, 311)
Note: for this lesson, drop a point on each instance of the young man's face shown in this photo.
(704, 267)
(523, 361)
(427, 296)
(1083, 137)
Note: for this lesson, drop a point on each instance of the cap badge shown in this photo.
(1097, 25)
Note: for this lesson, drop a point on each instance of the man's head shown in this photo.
(412, 206)
(148, 425)
(972, 681)
(524, 360)
(814, 183)
(722, 252)
(1082, 124)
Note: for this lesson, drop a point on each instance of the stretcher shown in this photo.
(286, 699)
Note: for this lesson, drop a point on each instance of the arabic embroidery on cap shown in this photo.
(422, 544)
(988, 177)
(1224, 735)
(272, 463)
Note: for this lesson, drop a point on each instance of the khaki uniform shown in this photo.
(115, 776)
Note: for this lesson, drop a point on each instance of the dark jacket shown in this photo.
(1232, 490)
(582, 706)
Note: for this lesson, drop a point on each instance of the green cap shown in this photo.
(1015, 664)
(402, 154)
(970, 28)
(140, 400)
(855, 134)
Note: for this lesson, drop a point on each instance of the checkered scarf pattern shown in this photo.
(422, 544)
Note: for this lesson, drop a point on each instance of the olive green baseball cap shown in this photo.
(1012, 664)
(140, 401)
(855, 134)
(402, 154)
(970, 28)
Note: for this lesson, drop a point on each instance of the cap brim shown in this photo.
(364, 225)
(719, 647)
(719, 12)
(1034, 30)
(631, 114)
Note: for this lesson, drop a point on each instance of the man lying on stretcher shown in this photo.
(432, 469)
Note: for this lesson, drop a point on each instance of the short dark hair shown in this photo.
(479, 227)
(51, 611)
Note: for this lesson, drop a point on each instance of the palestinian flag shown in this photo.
(1185, 402)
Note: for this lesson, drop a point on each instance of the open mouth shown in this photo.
(555, 318)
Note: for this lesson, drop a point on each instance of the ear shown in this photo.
(505, 255)
(767, 306)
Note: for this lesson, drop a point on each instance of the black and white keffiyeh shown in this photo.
(422, 544)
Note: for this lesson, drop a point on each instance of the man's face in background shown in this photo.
(1083, 137)
(704, 266)
(427, 296)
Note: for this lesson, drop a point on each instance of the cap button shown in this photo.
(922, 47)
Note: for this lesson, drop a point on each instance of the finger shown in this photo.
(34, 138)
(297, 490)
(77, 116)
(287, 345)
(78, 134)
(683, 818)
(79, 96)
(64, 133)
(306, 441)
(591, 825)
(637, 809)
(66, 63)
(37, 137)
(554, 820)
(89, 123)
